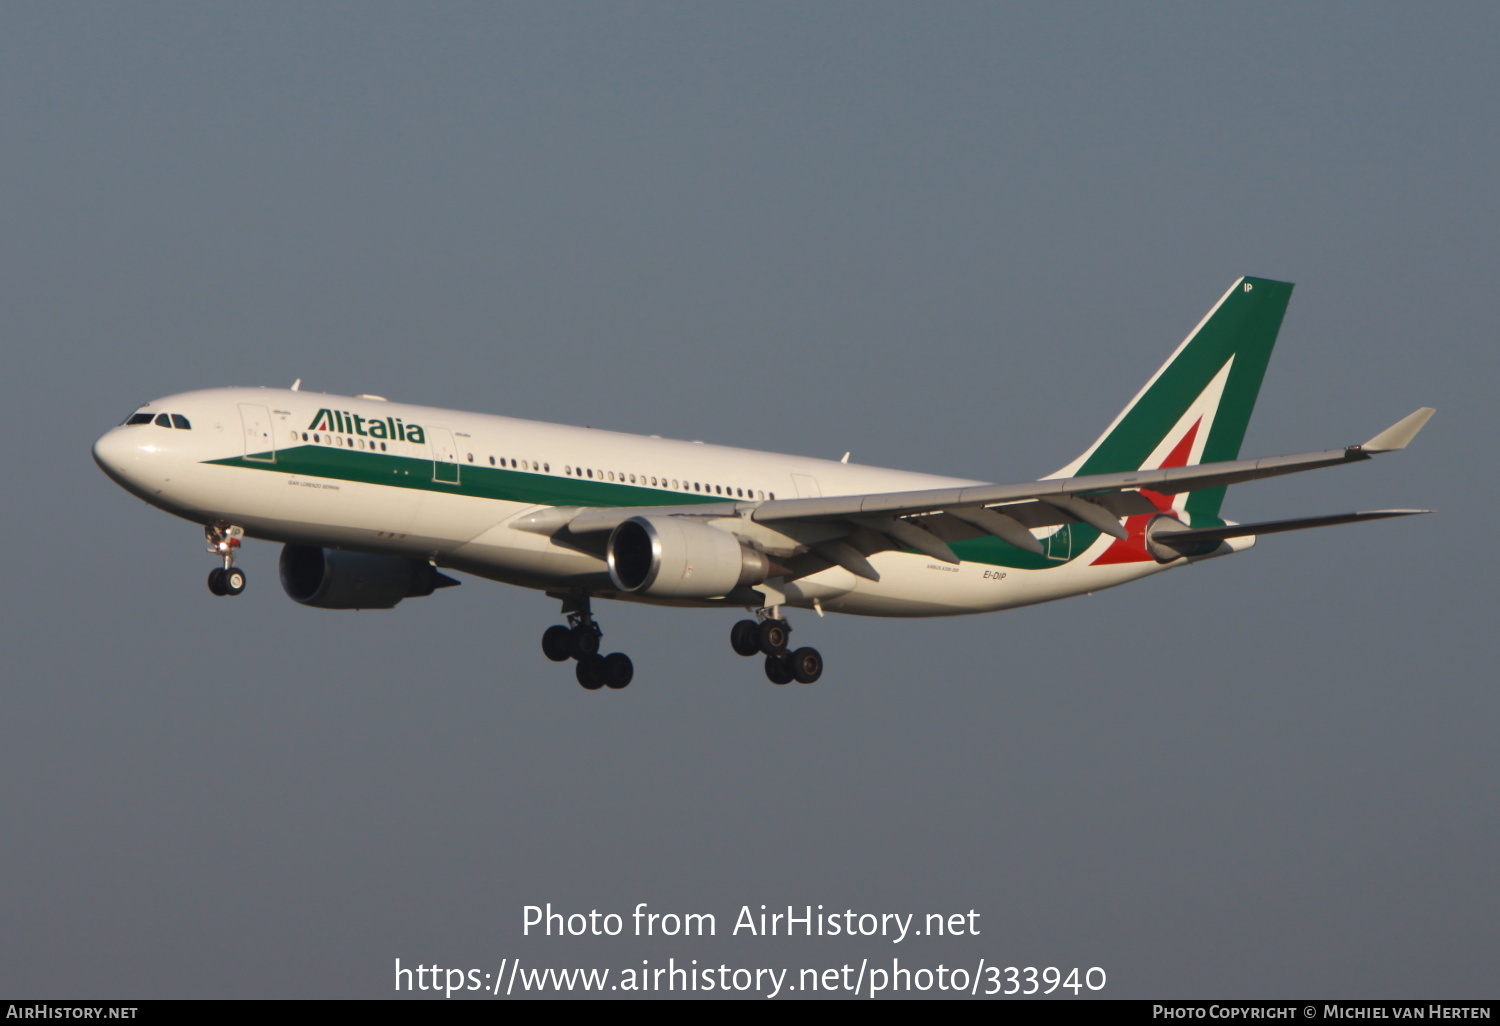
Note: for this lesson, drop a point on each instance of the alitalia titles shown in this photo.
(345, 423)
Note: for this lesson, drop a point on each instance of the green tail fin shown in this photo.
(1196, 407)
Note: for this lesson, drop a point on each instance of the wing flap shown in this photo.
(1007, 528)
(912, 536)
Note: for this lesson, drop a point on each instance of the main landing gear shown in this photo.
(579, 640)
(223, 540)
(770, 635)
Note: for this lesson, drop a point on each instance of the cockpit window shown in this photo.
(139, 418)
(162, 420)
(179, 421)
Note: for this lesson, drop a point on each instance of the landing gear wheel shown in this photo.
(583, 642)
(744, 637)
(590, 672)
(774, 635)
(233, 581)
(779, 668)
(617, 670)
(806, 665)
(216, 580)
(556, 643)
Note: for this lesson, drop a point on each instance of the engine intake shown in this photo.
(334, 579)
(673, 557)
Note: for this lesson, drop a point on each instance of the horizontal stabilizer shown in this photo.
(1400, 434)
(1195, 536)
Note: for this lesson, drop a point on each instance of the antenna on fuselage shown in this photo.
(297, 385)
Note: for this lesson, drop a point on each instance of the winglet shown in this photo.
(1399, 434)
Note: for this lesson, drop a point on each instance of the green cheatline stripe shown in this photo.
(475, 481)
(1069, 543)
(533, 489)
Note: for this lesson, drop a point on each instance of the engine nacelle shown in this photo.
(673, 557)
(334, 579)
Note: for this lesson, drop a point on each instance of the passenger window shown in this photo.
(162, 420)
(547, 468)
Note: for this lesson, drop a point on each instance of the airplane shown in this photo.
(372, 499)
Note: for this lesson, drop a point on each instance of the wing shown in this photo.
(927, 520)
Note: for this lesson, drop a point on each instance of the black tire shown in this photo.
(216, 580)
(555, 643)
(233, 581)
(774, 635)
(779, 669)
(618, 671)
(744, 637)
(590, 672)
(806, 664)
(583, 642)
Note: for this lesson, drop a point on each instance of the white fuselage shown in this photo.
(313, 469)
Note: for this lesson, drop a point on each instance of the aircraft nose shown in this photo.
(109, 451)
(125, 456)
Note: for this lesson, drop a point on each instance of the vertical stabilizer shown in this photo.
(1196, 407)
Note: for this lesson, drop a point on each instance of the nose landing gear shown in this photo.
(770, 635)
(579, 640)
(223, 540)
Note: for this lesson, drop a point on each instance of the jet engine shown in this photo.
(674, 557)
(334, 579)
